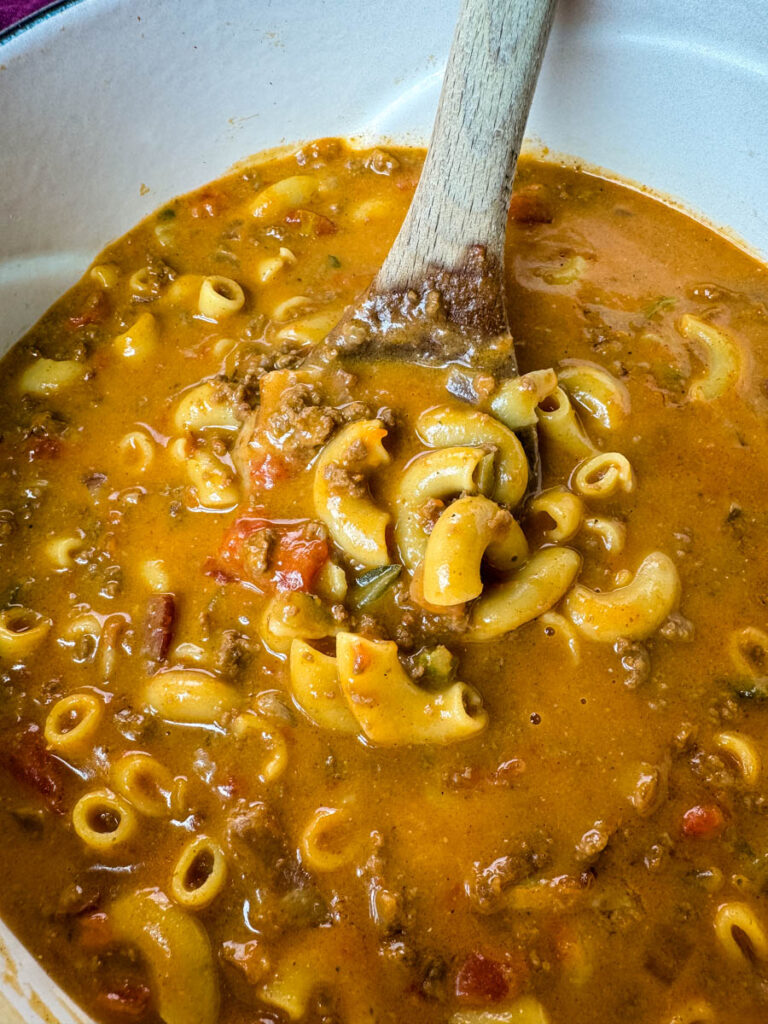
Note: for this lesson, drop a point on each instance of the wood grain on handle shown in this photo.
(465, 187)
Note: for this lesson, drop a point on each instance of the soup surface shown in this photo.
(313, 706)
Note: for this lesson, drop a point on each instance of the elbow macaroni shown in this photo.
(189, 697)
(137, 450)
(724, 359)
(433, 476)
(288, 308)
(391, 709)
(219, 298)
(200, 409)
(524, 1010)
(144, 782)
(740, 933)
(177, 951)
(296, 616)
(140, 341)
(563, 509)
(749, 652)
(514, 402)
(603, 475)
(215, 484)
(534, 589)
(48, 376)
(326, 843)
(316, 689)
(199, 874)
(744, 752)
(72, 724)
(267, 268)
(296, 975)
(318, 959)
(154, 573)
(105, 274)
(560, 425)
(183, 291)
(600, 395)
(556, 624)
(21, 632)
(250, 723)
(83, 634)
(612, 533)
(61, 551)
(274, 201)
(471, 529)
(104, 821)
(356, 524)
(140, 281)
(446, 426)
(631, 612)
(566, 270)
(307, 330)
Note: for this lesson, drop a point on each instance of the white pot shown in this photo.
(101, 100)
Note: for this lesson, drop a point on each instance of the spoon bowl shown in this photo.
(439, 295)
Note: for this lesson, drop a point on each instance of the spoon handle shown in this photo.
(465, 187)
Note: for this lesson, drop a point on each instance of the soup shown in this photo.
(315, 706)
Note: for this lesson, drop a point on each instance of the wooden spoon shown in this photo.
(439, 296)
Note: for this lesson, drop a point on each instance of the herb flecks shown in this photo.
(661, 305)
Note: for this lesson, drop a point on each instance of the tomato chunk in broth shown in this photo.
(313, 707)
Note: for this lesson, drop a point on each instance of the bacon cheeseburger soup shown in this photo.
(314, 707)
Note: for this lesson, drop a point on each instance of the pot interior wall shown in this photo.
(110, 107)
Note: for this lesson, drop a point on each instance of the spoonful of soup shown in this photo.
(439, 295)
(438, 299)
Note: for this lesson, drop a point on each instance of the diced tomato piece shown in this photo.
(267, 471)
(128, 1000)
(231, 548)
(159, 622)
(704, 821)
(95, 309)
(44, 446)
(29, 761)
(481, 980)
(210, 568)
(361, 661)
(294, 556)
(247, 957)
(310, 224)
(207, 203)
(298, 560)
(95, 931)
